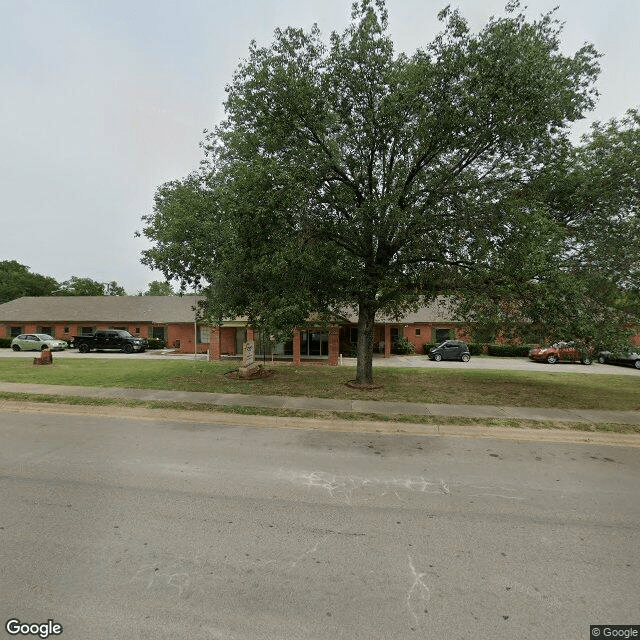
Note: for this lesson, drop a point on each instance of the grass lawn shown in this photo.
(511, 388)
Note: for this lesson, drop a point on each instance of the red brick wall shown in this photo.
(227, 343)
(428, 333)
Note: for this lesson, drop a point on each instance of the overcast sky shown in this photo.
(101, 101)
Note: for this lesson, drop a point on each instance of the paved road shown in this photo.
(123, 528)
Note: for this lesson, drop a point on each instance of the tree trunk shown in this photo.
(366, 319)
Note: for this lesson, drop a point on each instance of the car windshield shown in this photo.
(124, 334)
(44, 336)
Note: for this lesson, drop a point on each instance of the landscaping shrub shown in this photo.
(403, 347)
(509, 350)
(156, 343)
(476, 348)
(5, 343)
(427, 346)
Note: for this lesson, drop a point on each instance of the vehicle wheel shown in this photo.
(128, 348)
(552, 359)
(84, 348)
(601, 359)
(586, 360)
(437, 357)
(465, 357)
(636, 364)
(15, 347)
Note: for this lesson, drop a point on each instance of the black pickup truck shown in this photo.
(109, 339)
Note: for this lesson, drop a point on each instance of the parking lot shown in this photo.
(416, 361)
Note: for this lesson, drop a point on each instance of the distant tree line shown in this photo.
(17, 281)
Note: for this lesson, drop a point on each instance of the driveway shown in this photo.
(500, 364)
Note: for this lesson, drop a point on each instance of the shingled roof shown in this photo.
(121, 309)
(163, 310)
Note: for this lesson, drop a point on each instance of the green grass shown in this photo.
(487, 387)
(327, 415)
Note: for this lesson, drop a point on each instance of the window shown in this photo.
(47, 330)
(266, 347)
(86, 331)
(158, 333)
(314, 343)
(353, 335)
(16, 331)
(417, 332)
(66, 329)
(137, 329)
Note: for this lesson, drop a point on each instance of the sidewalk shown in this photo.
(324, 404)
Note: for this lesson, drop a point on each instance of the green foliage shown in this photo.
(156, 343)
(348, 175)
(579, 272)
(427, 346)
(5, 343)
(158, 288)
(403, 346)
(17, 281)
(476, 348)
(509, 350)
(87, 287)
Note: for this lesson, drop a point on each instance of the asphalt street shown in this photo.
(151, 528)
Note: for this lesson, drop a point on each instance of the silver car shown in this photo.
(37, 342)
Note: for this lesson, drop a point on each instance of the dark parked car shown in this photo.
(450, 350)
(631, 357)
(110, 339)
(560, 352)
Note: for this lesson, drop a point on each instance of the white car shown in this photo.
(37, 342)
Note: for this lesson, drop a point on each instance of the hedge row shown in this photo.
(5, 342)
(509, 350)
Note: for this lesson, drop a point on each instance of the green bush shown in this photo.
(427, 346)
(5, 343)
(476, 348)
(509, 350)
(403, 347)
(156, 343)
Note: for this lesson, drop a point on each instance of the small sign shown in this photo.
(248, 353)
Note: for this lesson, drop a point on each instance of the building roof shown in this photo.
(47, 309)
(438, 310)
(165, 309)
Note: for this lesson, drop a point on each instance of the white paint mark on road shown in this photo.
(419, 593)
(343, 487)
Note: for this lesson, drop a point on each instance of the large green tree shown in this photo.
(583, 280)
(347, 174)
(17, 281)
(76, 286)
(159, 288)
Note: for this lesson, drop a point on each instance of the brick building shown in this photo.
(169, 318)
(430, 324)
(173, 319)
